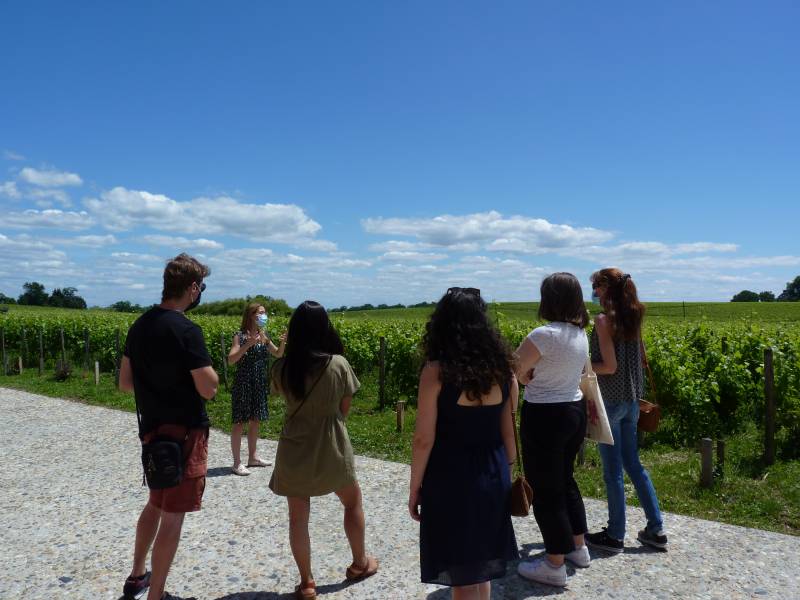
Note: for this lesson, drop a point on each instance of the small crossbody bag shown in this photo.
(162, 459)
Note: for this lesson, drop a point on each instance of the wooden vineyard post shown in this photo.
(23, 349)
(224, 359)
(86, 361)
(3, 345)
(41, 351)
(684, 308)
(116, 359)
(382, 374)
(706, 463)
(63, 349)
(401, 415)
(769, 413)
(96, 373)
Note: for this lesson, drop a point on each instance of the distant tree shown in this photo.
(745, 296)
(766, 297)
(126, 307)
(33, 294)
(6, 299)
(235, 306)
(66, 298)
(792, 291)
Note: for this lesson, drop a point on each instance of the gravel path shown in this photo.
(70, 493)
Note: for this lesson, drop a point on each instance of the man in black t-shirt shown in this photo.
(167, 367)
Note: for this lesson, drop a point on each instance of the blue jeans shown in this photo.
(623, 417)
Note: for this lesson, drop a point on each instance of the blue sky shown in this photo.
(358, 152)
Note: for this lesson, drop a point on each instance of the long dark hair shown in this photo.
(621, 303)
(471, 354)
(310, 342)
(562, 300)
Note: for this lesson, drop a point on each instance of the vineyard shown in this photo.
(708, 372)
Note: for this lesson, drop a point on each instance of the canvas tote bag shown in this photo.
(597, 427)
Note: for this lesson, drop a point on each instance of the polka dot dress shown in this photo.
(251, 385)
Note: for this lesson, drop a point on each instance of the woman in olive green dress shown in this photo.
(314, 456)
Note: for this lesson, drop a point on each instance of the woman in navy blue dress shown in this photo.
(463, 446)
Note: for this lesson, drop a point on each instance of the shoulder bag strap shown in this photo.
(311, 389)
(647, 366)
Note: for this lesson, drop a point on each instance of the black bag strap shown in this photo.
(308, 393)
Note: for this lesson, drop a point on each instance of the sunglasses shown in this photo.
(468, 290)
(596, 285)
(202, 287)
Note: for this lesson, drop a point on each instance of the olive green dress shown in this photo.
(314, 454)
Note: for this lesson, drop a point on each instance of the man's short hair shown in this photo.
(181, 272)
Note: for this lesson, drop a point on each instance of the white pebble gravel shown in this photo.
(70, 493)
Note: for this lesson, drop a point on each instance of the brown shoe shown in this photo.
(355, 572)
(306, 591)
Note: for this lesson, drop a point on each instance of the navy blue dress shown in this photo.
(465, 534)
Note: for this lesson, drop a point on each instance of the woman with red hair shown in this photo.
(617, 358)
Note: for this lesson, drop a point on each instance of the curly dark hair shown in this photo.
(471, 354)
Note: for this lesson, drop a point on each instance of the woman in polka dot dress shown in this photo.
(251, 348)
(616, 347)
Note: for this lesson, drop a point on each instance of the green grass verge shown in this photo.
(748, 494)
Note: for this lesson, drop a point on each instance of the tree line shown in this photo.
(790, 294)
(34, 294)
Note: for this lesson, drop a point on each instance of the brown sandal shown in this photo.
(355, 573)
(306, 591)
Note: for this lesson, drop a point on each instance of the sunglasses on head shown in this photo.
(468, 290)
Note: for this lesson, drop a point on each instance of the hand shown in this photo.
(526, 377)
(413, 504)
(282, 337)
(594, 417)
(252, 338)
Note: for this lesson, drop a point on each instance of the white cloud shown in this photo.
(10, 155)
(10, 190)
(49, 178)
(89, 241)
(44, 195)
(182, 242)
(523, 234)
(121, 209)
(405, 256)
(50, 218)
(705, 247)
(136, 257)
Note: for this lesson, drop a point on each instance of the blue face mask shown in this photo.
(261, 320)
(595, 298)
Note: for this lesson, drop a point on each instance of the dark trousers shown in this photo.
(551, 435)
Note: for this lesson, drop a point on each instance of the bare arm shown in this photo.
(424, 433)
(507, 423)
(125, 375)
(344, 405)
(525, 358)
(237, 350)
(277, 351)
(205, 381)
(607, 366)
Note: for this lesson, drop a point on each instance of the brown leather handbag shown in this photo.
(521, 492)
(649, 412)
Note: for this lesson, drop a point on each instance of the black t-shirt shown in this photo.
(164, 347)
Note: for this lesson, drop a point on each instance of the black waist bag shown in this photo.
(162, 459)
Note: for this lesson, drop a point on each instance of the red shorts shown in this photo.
(187, 496)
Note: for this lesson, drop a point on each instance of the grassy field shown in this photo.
(526, 311)
(749, 494)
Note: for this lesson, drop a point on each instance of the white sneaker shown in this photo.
(240, 469)
(579, 557)
(541, 571)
